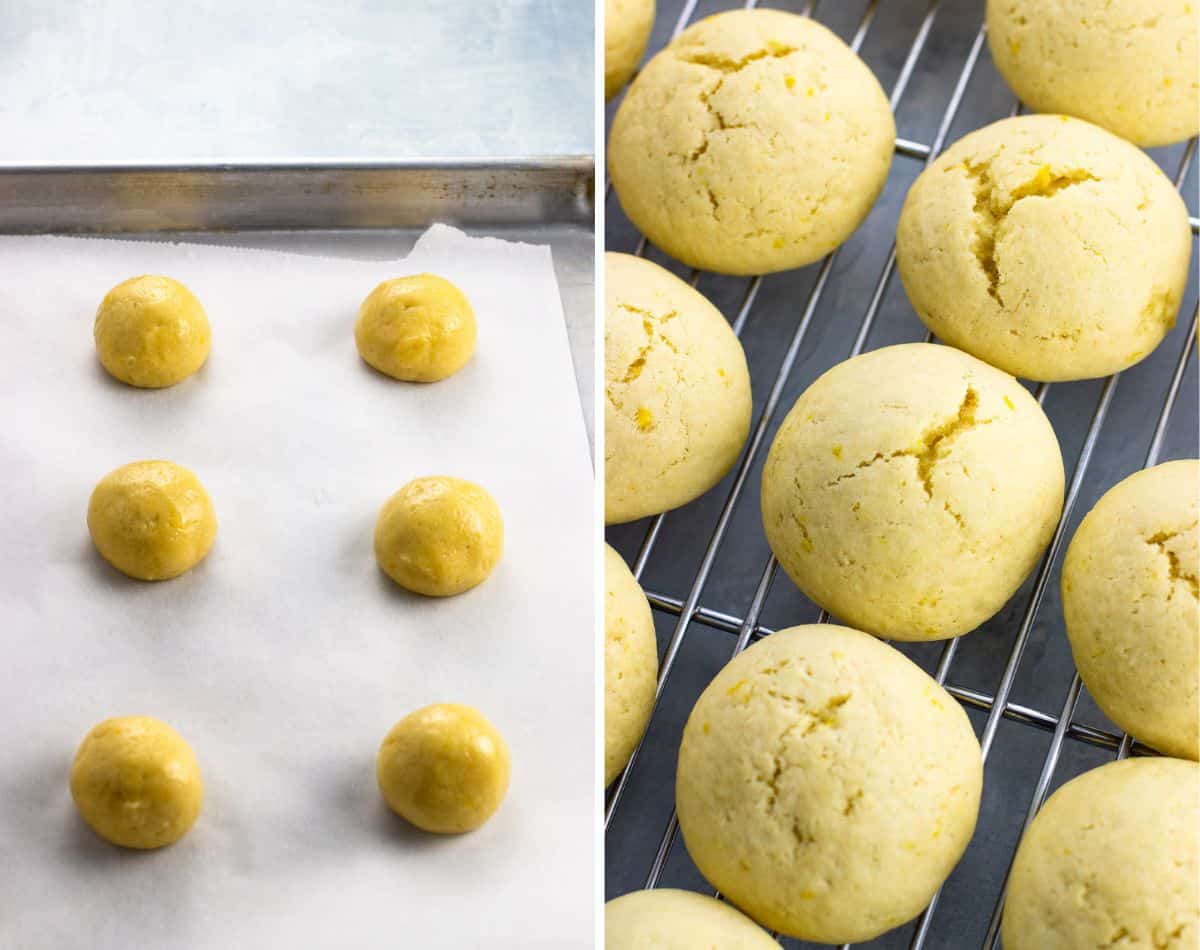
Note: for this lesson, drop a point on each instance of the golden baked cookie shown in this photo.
(666, 919)
(757, 141)
(627, 26)
(630, 664)
(418, 329)
(677, 391)
(151, 332)
(827, 785)
(911, 490)
(1129, 591)
(1047, 247)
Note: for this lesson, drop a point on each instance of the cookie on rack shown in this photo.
(630, 663)
(677, 391)
(627, 26)
(757, 141)
(1047, 247)
(1110, 860)
(827, 785)
(911, 490)
(1129, 591)
(667, 919)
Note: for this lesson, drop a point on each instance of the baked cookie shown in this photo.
(757, 141)
(826, 784)
(666, 919)
(1129, 591)
(151, 332)
(911, 490)
(677, 391)
(630, 664)
(418, 329)
(1047, 247)
(627, 26)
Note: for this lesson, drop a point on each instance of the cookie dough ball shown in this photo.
(1128, 66)
(444, 768)
(439, 536)
(665, 919)
(1110, 860)
(152, 520)
(911, 490)
(1047, 247)
(627, 25)
(419, 329)
(151, 332)
(677, 391)
(630, 664)
(826, 784)
(756, 142)
(136, 782)
(1129, 590)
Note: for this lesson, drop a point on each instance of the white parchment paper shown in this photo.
(286, 655)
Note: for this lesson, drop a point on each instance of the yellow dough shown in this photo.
(677, 391)
(911, 490)
(136, 782)
(1047, 247)
(755, 142)
(439, 536)
(1129, 590)
(419, 329)
(627, 25)
(444, 768)
(630, 664)
(152, 520)
(1110, 861)
(665, 919)
(151, 332)
(1129, 66)
(826, 784)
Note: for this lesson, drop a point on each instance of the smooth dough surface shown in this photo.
(627, 26)
(418, 329)
(1129, 66)
(439, 536)
(1129, 589)
(911, 490)
(1047, 247)
(1110, 861)
(666, 919)
(444, 768)
(151, 332)
(630, 663)
(135, 781)
(826, 784)
(152, 520)
(757, 141)
(677, 391)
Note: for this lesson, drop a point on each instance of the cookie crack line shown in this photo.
(727, 64)
(824, 716)
(1175, 570)
(652, 326)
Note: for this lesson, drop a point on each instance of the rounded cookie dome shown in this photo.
(666, 919)
(418, 329)
(151, 332)
(630, 664)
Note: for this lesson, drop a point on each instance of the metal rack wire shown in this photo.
(747, 625)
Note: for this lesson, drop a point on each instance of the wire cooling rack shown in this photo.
(710, 576)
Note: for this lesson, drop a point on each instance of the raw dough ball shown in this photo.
(151, 332)
(627, 25)
(1129, 66)
(444, 768)
(136, 782)
(419, 329)
(756, 142)
(911, 490)
(665, 919)
(152, 520)
(1129, 589)
(1111, 861)
(1047, 247)
(677, 388)
(630, 664)
(439, 536)
(826, 784)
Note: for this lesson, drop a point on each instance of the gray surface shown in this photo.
(1045, 671)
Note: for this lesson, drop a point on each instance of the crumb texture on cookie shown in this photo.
(667, 919)
(630, 663)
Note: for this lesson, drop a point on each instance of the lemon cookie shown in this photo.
(1110, 860)
(666, 919)
(677, 391)
(418, 329)
(757, 141)
(1128, 66)
(1047, 247)
(1129, 589)
(911, 490)
(627, 25)
(151, 332)
(826, 784)
(630, 663)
